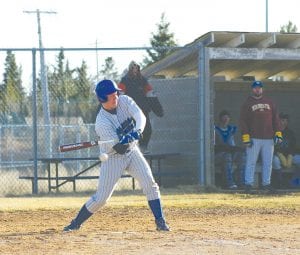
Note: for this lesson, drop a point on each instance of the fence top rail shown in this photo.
(91, 48)
(42, 125)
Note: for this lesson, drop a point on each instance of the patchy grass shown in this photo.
(170, 198)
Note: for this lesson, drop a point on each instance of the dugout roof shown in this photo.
(228, 58)
(235, 55)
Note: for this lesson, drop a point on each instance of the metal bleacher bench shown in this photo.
(61, 180)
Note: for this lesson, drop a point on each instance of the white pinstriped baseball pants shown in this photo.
(264, 147)
(112, 170)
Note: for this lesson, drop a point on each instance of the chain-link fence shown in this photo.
(42, 108)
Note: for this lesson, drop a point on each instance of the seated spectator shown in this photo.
(285, 153)
(226, 151)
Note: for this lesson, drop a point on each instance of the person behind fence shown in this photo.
(226, 151)
(120, 119)
(135, 85)
(261, 129)
(285, 153)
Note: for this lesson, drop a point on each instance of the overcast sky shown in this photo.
(120, 23)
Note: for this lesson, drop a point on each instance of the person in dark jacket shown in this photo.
(285, 151)
(135, 85)
(286, 155)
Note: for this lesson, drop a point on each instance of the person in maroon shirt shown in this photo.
(261, 129)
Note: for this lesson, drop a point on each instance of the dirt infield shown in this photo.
(130, 230)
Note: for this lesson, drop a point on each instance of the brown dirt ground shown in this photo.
(131, 231)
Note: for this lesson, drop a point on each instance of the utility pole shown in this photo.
(267, 16)
(97, 60)
(44, 80)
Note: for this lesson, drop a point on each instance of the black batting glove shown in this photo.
(121, 148)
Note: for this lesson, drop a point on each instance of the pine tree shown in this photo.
(3, 105)
(289, 28)
(61, 85)
(86, 101)
(55, 78)
(70, 89)
(12, 92)
(109, 70)
(161, 42)
(82, 81)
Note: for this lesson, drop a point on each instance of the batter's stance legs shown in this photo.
(82, 216)
(156, 209)
(155, 206)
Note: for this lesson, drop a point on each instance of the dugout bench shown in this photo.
(56, 181)
(284, 182)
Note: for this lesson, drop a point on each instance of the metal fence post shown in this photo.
(0, 143)
(34, 122)
(78, 139)
(205, 161)
(201, 70)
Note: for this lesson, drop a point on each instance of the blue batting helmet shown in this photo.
(105, 88)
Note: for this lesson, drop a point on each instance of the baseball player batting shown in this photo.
(261, 129)
(120, 118)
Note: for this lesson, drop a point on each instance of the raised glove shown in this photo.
(278, 138)
(246, 140)
(126, 139)
(137, 134)
(125, 128)
(121, 148)
(128, 125)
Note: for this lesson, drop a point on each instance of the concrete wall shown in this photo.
(177, 131)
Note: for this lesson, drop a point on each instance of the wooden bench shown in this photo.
(64, 179)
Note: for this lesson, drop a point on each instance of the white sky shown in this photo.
(121, 23)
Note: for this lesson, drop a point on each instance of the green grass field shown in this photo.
(171, 198)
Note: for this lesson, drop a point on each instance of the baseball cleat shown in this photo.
(73, 226)
(161, 225)
(248, 189)
(232, 186)
(269, 189)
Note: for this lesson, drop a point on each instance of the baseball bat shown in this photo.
(81, 145)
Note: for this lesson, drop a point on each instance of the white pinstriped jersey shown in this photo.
(107, 123)
(133, 161)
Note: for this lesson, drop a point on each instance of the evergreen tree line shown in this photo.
(70, 90)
